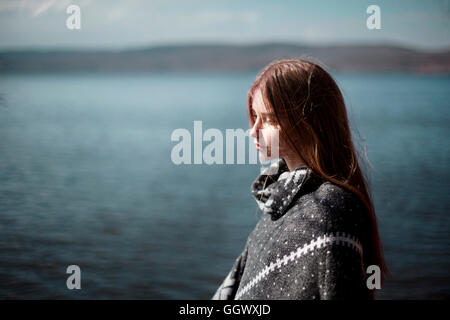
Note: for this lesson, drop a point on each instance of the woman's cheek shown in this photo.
(274, 137)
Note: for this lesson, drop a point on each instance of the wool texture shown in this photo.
(308, 243)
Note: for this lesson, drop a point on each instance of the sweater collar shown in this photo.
(276, 187)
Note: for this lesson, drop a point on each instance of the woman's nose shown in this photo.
(254, 131)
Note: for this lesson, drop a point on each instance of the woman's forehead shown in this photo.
(258, 102)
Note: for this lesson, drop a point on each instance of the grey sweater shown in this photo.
(308, 243)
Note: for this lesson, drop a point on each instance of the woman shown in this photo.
(318, 231)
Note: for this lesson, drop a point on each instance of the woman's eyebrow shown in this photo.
(262, 113)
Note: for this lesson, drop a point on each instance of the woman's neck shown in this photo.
(293, 162)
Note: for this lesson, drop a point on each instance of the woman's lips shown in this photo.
(258, 146)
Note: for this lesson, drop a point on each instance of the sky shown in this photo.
(117, 24)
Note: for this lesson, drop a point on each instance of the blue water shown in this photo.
(86, 178)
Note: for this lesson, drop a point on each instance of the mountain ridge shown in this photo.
(226, 57)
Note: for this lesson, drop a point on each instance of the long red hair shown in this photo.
(311, 113)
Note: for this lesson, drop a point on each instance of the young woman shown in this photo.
(318, 232)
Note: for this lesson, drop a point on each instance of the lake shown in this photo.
(87, 179)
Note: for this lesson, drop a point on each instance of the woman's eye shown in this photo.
(269, 120)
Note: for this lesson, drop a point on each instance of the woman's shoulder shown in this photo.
(332, 196)
(326, 207)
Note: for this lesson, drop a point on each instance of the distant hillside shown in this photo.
(226, 58)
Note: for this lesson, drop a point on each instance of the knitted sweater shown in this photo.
(308, 243)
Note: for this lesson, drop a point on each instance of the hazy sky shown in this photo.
(120, 24)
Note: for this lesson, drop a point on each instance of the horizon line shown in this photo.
(386, 43)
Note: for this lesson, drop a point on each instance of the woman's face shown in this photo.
(265, 130)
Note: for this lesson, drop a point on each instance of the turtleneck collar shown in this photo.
(276, 187)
